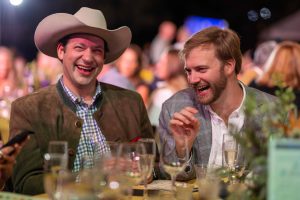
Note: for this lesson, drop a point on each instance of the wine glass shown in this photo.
(172, 164)
(130, 163)
(55, 161)
(148, 160)
(110, 183)
(230, 149)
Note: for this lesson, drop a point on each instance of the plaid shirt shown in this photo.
(92, 141)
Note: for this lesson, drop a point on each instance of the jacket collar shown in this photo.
(68, 102)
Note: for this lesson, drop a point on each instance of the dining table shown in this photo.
(158, 189)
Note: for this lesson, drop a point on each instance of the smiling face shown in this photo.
(205, 73)
(82, 58)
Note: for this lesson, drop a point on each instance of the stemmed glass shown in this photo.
(172, 164)
(111, 183)
(148, 160)
(230, 149)
(130, 163)
(55, 162)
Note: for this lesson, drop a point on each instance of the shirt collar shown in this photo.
(74, 98)
(237, 111)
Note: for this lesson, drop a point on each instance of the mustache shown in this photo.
(199, 84)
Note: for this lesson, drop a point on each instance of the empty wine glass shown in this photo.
(110, 185)
(172, 164)
(148, 160)
(130, 163)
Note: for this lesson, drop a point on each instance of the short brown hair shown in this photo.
(226, 42)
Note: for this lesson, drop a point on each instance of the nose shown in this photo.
(87, 56)
(193, 78)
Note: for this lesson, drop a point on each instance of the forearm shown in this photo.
(32, 185)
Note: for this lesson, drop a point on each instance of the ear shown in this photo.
(229, 67)
(60, 51)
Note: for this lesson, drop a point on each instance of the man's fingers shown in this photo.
(186, 115)
(191, 109)
(7, 150)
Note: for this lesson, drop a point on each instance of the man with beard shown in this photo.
(213, 104)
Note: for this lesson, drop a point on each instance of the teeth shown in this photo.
(85, 68)
(201, 87)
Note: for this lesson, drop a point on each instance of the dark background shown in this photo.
(142, 16)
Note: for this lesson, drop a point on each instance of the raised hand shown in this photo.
(184, 124)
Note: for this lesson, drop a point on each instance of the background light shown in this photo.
(265, 13)
(252, 15)
(15, 2)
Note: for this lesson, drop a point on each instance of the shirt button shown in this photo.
(78, 124)
(71, 152)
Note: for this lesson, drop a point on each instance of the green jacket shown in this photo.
(50, 114)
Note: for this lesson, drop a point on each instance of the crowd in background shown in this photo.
(155, 73)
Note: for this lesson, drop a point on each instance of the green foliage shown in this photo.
(275, 124)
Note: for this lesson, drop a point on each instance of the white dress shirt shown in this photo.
(219, 128)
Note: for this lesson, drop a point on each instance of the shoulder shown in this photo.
(180, 100)
(118, 92)
(182, 96)
(38, 96)
(259, 95)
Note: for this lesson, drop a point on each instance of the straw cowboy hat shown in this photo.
(86, 20)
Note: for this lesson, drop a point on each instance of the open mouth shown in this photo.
(202, 88)
(85, 69)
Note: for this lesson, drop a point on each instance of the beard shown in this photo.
(209, 92)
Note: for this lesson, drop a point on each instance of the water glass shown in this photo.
(201, 170)
(75, 185)
(55, 162)
(184, 191)
(130, 164)
(148, 159)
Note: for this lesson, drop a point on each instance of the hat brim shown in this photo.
(56, 26)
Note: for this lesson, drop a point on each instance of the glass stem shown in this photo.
(173, 178)
(145, 196)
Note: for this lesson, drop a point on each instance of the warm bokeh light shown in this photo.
(15, 2)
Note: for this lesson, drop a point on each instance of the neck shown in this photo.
(230, 100)
(85, 92)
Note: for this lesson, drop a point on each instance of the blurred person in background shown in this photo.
(282, 65)
(170, 71)
(45, 71)
(111, 75)
(10, 86)
(255, 66)
(162, 41)
(130, 65)
(182, 36)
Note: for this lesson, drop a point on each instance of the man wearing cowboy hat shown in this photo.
(78, 109)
